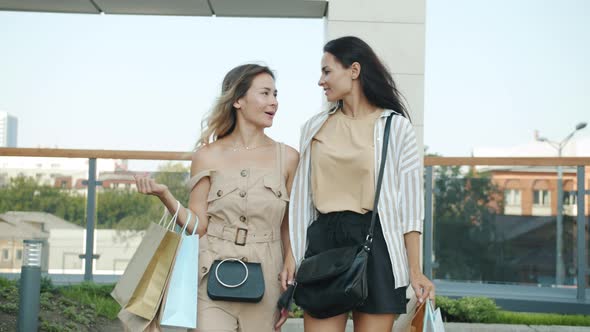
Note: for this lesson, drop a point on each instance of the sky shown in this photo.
(497, 70)
(494, 72)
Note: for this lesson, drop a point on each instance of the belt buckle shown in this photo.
(238, 234)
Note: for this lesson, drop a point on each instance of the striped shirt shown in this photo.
(401, 205)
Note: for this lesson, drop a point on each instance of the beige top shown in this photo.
(401, 206)
(342, 164)
(248, 198)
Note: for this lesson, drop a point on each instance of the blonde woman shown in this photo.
(240, 185)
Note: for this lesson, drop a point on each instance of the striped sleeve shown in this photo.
(297, 227)
(411, 198)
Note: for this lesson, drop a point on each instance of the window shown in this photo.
(19, 254)
(512, 197)
(5, 254)
(541, 197)
(570, 198)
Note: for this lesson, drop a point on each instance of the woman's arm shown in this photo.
(423, 287)
(197, 200)
(287, 276)
(412, 209)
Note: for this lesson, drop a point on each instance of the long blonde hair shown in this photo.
(221, 120)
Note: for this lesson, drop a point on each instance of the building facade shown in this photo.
(8, 130)
(533, 191)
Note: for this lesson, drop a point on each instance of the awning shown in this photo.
(237, 8)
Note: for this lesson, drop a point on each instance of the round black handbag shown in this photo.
(234, 280)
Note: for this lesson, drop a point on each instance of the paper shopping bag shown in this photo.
(417, 324)
(180, 300)
(134, 323)
(432, 319)
(147, 296)
(138, 264)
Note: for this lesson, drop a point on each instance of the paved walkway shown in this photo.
(296, 325)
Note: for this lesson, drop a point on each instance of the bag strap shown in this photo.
(369, 239)
(281, 157)
(278, 164)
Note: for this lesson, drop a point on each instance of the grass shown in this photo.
(82, 307)
(526, 318)
(96, 296)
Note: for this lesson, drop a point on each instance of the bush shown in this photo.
(7, 283)
(468, 309)
(9, 308)
(47, 285)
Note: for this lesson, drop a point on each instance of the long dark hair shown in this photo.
(376, 81)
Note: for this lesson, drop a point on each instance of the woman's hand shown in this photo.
(149, 186)
(423, 287)
(283, 315)
(287, 276)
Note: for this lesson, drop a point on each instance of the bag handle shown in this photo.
(429, 314)
(188, 220)
(196, 223)
(369, 240)
(172, 221)
(161, 222)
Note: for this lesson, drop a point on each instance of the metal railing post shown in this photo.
(90, 220)
(581, 237)
(428, 223)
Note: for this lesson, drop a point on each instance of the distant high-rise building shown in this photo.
(8, 130)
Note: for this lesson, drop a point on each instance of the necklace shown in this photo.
(247, 148)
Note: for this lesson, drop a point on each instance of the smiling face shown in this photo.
(336, 80)
(260, 104)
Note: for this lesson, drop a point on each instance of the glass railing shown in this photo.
(491, 224)
(485, 223)
(496, 225)
(123, 214)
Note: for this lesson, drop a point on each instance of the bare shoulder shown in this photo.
(291, 158)
(205, 157)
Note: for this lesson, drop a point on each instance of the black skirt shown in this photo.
(347, 228)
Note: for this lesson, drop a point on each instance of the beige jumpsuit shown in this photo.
(245, 210)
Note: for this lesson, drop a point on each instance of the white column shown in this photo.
(395, 29)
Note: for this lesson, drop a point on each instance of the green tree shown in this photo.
(466, 247)
(174, 175)
(113, 209)
(24, 194)
(113, 205)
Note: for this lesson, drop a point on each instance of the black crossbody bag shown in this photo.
(335, 281)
